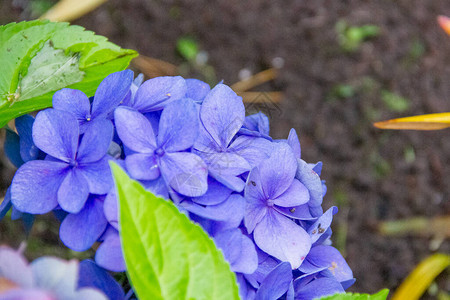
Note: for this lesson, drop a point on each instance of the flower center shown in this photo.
(159, 152)
(270, 202)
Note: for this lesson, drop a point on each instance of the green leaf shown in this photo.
(188, 48)
(41, 57)
(381, 295)
(167, 256)
(395, 102)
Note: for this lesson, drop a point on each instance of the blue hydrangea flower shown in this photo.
(156, 93)
(269, 186)
(51, 278)
(222, 114)
(71, 170)
(196, 90)
(111, 91)
(164, 154)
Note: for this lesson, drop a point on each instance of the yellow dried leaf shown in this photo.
(421, 277)
(68, 10)
(421, 122)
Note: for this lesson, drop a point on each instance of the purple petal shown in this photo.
(215, 194)
(134, 130)
(73, 192)
(252, 149)
(98, 176)
(230, 210)
(318, 288)
(266, 264)
(276, 282)
(111, 92)
(277, 172)
(109, 254)
(95, 142)
(295, 195)
(110, 208)
(197, 89)
(56, 133)
(12, 148)
(5, 205)
(311, 180)
(28, 150)
(156, 93)
(178, 126)
(80, 231)
(92, 275)
(14, 267)
(258, 122)
(238, 250)
(256, 207)
(329, 257)
(185, 172)
(142, 166)
(34, 187)
(322, 224)
(226, 167)
(35, 294)
(56, 275)
(282, 238)
(301, 212)
(222, 113)
(158, 187)
(73, 101)
(294, 142)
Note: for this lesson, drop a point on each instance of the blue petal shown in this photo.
(322, 224)
(278, 171)
(197, 89)
(252, 149)
(318, 288)
(95, 142)
(294, 142)
(142, 166)
(80, 231)
(12, 148)
(238, 250)
(109, 254)
(185, 172)
(98, 176)
(92, 275)
(282, 238)
(56, 133)
(134, 130)
(178, 126)
(295, 195)
(110, 208)
(73, 192)
(34, 187)
(215, 194)
(75, 102)
(311, 180)
(111, 92)
(276, 283)
(28, 150)
(222, 113)
(156, 93)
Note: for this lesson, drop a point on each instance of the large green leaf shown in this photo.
(168, 256)
(381, 295)
(38, 58)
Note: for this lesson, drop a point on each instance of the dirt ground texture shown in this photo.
(331, 97)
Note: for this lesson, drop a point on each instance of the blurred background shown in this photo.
(342, 65)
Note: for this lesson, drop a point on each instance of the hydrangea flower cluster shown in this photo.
(255, 196)
(52, 278)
